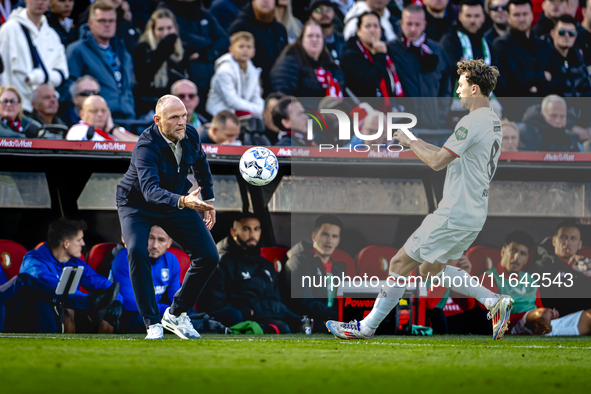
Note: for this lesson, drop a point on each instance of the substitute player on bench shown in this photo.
(452, 228)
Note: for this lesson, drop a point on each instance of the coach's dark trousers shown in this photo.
(187, 228)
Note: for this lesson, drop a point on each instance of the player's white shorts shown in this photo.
(563, 326)
(433, 241)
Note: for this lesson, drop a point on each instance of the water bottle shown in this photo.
(307, 325)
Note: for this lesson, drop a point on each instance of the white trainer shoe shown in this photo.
(350, 330)
(155, 332)
(180, 325)
(499, 314)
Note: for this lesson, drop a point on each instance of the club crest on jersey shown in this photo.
(461, 134)
(164, 274)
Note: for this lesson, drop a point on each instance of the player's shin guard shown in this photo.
(466, 287)
(385, 302)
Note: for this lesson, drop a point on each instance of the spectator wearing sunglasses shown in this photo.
(497, 10)
(573, 69)
(553, 9)
(79, 90)
(187, 92)
(323, 12)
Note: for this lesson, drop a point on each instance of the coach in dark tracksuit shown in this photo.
(154, 192)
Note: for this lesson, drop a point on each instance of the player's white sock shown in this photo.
(466, 287)
(385, 302)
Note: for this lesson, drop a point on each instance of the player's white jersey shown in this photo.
(476, 142)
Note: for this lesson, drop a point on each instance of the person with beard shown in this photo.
(466, 42)
(270, 36)
(166, 272)
(323, 12)
(313, 260)
(497, 11)
(246, 286)
(200, 34)
(126, 31)
(439, 19)
(558, 257)
(527, 64)
(305, 69)
(546, 127)
(573, 68)
(365, 54)
(226, 11)
(553, 9)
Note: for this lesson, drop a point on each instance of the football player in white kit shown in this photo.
(470, 154)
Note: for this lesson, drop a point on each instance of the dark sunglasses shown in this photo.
(571, 33)
(86, 93)
(190, 96)
(498, 8)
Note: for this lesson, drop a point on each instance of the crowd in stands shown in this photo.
(241, 56)
(550, 283)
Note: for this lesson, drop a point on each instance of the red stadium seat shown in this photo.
(100, 258)
(483, 258)
(585, 251)
(11, 257)
(374, 260)
(340, 256)
(275, 255)
(184, 260)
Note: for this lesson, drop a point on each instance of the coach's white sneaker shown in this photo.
(499, 314)
(350, 330)
(155, 332)
(180, 325)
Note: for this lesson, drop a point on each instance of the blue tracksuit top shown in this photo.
(41, 264)
(166, 273)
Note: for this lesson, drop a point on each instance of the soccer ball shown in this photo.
(258, 166)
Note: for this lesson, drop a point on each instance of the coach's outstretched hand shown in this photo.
(194, 202)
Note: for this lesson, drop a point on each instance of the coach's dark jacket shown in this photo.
(154, 180)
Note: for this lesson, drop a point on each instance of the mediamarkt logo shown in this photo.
(345, 126)
(109, 146)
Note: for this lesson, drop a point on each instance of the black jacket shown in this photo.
(200, 32)
(148, 63)
(361, 75)
(244, 280)
(538, 135)
(155, 181)
(295, 76)
(543, 26)
(66, 37)
(427, 95)
(574, 74)
(309, 300)
(565, 299)
(453, 48)
(336, 47)
(269, 40)
(522, 62)
(438, 27)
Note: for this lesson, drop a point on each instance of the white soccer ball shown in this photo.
(258, 166)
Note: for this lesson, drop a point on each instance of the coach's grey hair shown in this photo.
(552, 98)
(164, 101)
(74, 87)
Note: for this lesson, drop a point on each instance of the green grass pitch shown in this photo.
(292, 364)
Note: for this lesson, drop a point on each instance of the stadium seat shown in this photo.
(340, 256)
(100, 258)
(483, 258)
(184, 260)
(585, 251)
(374, 260)
(11, 257)
(274, 255)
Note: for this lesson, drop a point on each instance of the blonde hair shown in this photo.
(507, 123)
(14, 90)
(103, 5)
(161, 76)
(289, 21)
(241, 35)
